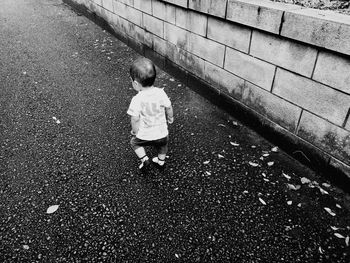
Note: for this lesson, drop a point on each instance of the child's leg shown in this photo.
(136, 145)
(162, 148)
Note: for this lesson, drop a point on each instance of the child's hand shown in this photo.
(171, 120)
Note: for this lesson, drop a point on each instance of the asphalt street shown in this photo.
(70, 188)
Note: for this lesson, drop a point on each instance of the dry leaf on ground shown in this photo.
(305, 180)
(262, 201)
(329, 211)
(293, 187)
(253, 164)
(52, 209)
(339, 235)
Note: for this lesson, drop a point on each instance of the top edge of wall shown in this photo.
(322, 28)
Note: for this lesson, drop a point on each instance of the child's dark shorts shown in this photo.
(161, 145)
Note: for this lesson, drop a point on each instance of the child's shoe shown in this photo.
(144, 163)
(158, 162)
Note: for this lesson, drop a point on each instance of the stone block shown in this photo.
(136, 32)
(133, 15)
(333, 70)
(264, 15)
(224, 80)
(342, 166)
(207, 49)
(127, 2)
(120, 9)
(321, 28)
(98, 2)
(325, 135)
(181, 17)
(171, 51)
(192, 21)
(186, 60)
(312, 96)
(120, 24)
(170, 11)
(274, 108)
(153, 25)
(108, 4)
(158, 9)
(252, 69)
(144, 6)
(213, 7)
(182, 3)
(287, 54)
(232, 35)
(157, 59)
(159, 45)
(176, 35)
(136, 45)
(148, 38)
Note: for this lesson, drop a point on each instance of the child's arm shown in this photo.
(169, 114)
(135, 123)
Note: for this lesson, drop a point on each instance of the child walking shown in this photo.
(150, 111)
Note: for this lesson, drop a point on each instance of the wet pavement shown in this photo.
(70, 190)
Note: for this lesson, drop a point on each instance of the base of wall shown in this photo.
(299, 149)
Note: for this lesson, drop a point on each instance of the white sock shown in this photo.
(158, 161)
(143, 159)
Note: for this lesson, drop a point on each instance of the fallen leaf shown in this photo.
(208, 173)
(323, 191)
(270, 163)
(286, 175)
(266, 154)
(347, 241)
(234, 144)
(329, 211)
(172, 79)
(262, 201)
(320, 250)
(274, 149)
(235, 123)
(206, 162)
(253, 146)
(222, 125)
(177, 255)
(338, 206)
(289, 202)
(326, 185)
(299, 205)
(253, 164)
(293, 187)
(177, 188)
(334, 228)
(245, 192)
(57, 120)
(266, 180)
(52, 209)
(26, 247)
(220, 156)
(339, 235)
(305, 180)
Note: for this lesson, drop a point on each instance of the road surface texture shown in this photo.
(70, 189)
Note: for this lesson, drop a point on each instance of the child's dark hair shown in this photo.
(143, 71)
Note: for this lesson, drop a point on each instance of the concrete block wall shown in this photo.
(286, 64)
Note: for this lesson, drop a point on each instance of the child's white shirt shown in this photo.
(149, 105)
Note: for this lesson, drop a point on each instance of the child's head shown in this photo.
(143, 72)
